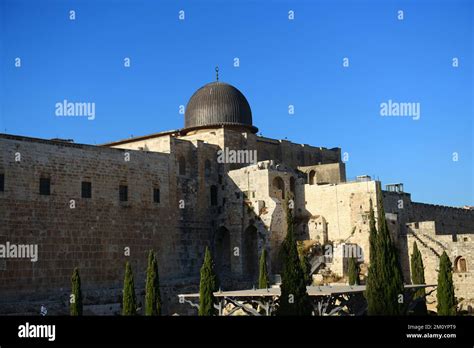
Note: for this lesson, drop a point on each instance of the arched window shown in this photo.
(207, 168)
(251, 252)
(311, 177)
(279, 187)
(460, 264)
(213, 195)
(222, 251)
(182, 165)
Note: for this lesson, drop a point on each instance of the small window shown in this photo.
(2, 182)
(123, 193)
(156, 195)
(45, 186)
(86, 189)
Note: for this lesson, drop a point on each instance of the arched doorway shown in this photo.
(279, 187)
(250, 264)
(222, 251)
(311, 176)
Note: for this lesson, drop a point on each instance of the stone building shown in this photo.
(213, 183)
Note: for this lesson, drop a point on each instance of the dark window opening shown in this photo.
(213, 195)
(45, 186)
(312, 174)
(86, 189)
(279, 187)
(123, 193)
(2, 182)
(156, 195)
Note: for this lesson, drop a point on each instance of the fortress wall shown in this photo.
(294, 155)
(431, 245)
(449, 220)
(332, 173)
(93, 235)
(264, 206)
(345, 208)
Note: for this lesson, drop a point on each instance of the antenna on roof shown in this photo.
(217, 73)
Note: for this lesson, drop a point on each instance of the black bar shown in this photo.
(291, 331)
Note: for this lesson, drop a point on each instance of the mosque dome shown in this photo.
(218, 104)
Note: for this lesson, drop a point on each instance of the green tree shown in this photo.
(305, 264)
(372, 235)
(306, 268)
(445, 291)
(385, 282)
(373, 285)
(207, 286)
(152, 295)
(294, 298)
(418, 277)
(129, 299)
(76, 298)
(263, 282)
(353, 271)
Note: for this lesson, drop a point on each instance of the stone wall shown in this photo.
(94, 234)
(345, 208)
(332, 173)
(432, 244)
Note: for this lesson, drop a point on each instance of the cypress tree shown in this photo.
(76, 299)
(445, 291)
(372, 235)
(207, 286)
(306, 268)
(373, 285)
(263, 282)
(418, 277)
(386, 285)
(129, 299)
(152, 295)
(353, 272)
(294, 299)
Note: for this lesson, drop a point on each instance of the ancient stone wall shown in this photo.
(459, 248)
(332, 173)
(94, 233)
(345, 208)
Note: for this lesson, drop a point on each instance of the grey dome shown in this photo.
(217, 104)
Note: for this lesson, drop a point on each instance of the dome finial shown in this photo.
(217, 73)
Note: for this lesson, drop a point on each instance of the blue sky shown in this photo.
(282, 62)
